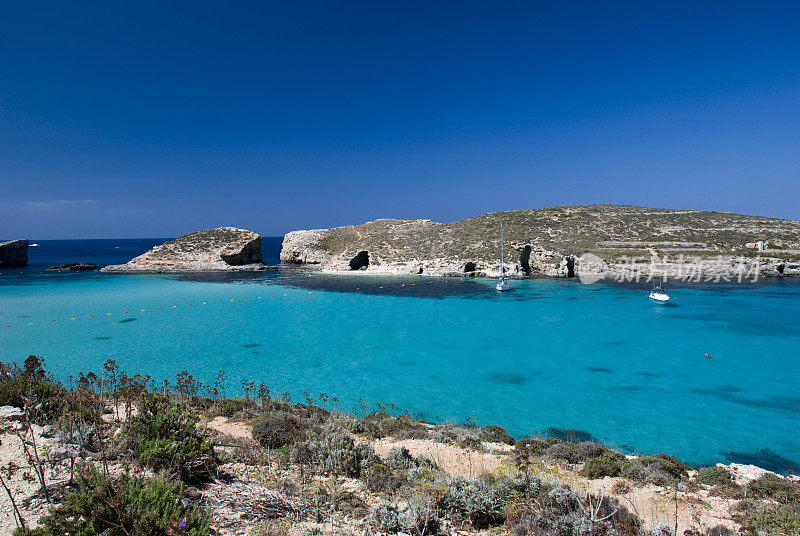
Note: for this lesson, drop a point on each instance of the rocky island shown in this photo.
(221, 249)
(14, 253)
(562, 241)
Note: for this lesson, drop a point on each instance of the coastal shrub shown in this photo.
(120, 506)
(336, 453)
(456, 435)
(31, 383)
(610, 464)
(530, 446)
(164, 437)
(482, 500)
(493, 433)
(274, 527)
(757, 517)
(400, 458)
(661, 470)
(380, 477)
(574, 452)
(420, 518)
(561, 511)
(280, 429)
(773, 487)
(379, 424)
(721, 482)
(231, 406)
(386, 518)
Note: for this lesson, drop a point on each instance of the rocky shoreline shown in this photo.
(586, 241)
(211, 250)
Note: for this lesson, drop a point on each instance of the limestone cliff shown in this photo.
(14, 253)
(222, 249)
(558, 242)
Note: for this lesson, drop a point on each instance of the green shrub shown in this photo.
(31, 382)
(282, 428)
(230, 407)
(668, 464)
(757, 517)
(120, 506)
(164, 437)
(380, 477)
(496, 434)
(530, 446)
(380, 424)
(773, 487)
(334, 452)
(609, 464)
(721, 482)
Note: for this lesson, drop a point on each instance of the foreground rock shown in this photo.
(14, 253)
(74, 267)
(583, 240)
(222, 249)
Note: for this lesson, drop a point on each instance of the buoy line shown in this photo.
(230, 300)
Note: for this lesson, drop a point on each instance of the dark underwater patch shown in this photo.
(125, 320)
(570, 434)
(764, 458)
(782, 403)
(252, 345)
(648, 374)
(507, 378)
(101, 338)
(630, 388)
(613, 343)
(601, 370)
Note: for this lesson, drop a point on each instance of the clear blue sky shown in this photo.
(142, 119)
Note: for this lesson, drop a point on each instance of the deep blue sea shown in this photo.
(544, 358)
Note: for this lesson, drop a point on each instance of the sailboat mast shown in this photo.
(502, 270)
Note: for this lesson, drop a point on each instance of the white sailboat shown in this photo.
(658, 294)
(503, 283)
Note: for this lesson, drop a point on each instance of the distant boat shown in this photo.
(503, 283)
(658, 294)
(34, 245)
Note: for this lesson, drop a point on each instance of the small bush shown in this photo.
(605, 465)
(386, 518)
(230, 407)
(271, 528)
(529, 446)
(721, 482)
(493, 433)
(774, 487)
(768, 518)
(380, 424)
(379, 477)
(164, 437)
(667, 464)
(120, 506)
(334, 452)
(278, 430)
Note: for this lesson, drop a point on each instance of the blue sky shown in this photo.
(142, 119)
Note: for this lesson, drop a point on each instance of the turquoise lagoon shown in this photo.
(547, 357)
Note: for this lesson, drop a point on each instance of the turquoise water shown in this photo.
(543, 358)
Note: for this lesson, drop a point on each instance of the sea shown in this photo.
(710, 377)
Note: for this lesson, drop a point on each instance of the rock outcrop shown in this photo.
(222, 249)
(73, 267)
(573, 241)
(14, 253)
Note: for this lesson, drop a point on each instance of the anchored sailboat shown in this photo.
(658, 294)
(503, 283)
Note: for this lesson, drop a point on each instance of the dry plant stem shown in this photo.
(34, 459)
(17, 515)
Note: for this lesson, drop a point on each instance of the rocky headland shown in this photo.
(583, 240)
(14, 253)
(73, 267)
(211, 250)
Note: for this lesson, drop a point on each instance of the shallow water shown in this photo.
(548, 356)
